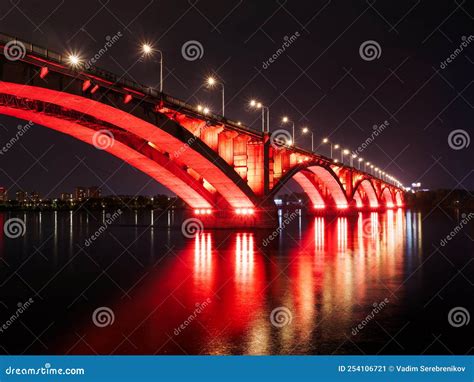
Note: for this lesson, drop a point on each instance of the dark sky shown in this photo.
(320, 81)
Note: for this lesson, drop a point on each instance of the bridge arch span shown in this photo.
(387, 197)
(165, 135)
(132, 152)
(366, 192)
(320, 183)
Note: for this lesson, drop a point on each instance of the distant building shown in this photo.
(66, 196)
(34, 197)
(3, 194)
(21, 196)
(80, 193)
(94, 192)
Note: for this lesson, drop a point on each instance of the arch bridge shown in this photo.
(226, 173)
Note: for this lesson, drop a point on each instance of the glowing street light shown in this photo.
(306, 131)
(287, 120)
(360, 160)
(343, 152)
(254, 104)
(74, 59)
(148, 50)
(211, 82)
(325, 140)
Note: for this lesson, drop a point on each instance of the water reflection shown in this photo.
(328, 271)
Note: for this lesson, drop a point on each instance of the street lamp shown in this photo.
(343, 152)
(147, 50)
(211, 82)
(306, 131)
(325, 140)
(353, 156)
(74, 59)
(258, 105)
(360, 160)
(287, 120)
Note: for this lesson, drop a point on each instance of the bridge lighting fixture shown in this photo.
(74, 59)
(287, 120)
(244, 211)
(258, 105)
(336, 146)
(306, 131)
(211, 82)
(203, 211)
(346, 152)
(205, 110)
(319, 206)
(148, 50)
(325, 140)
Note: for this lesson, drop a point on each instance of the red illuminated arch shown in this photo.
(168, 138)
(387, 197)
(186, 187)
(368, 189)
(320, 183)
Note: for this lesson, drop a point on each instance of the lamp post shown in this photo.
(305, 131)
(147, 50)
(287, 120)
(343, 152)
(360, 160)
(258, 105)
(211, 81)
(325, 140)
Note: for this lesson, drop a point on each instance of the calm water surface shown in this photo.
(374, 283)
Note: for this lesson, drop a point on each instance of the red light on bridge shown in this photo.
(374, 205)
(44, 72)
(342, 206)
(390, 205)
(244, 211)
(203, 211)
(127, 98)
(319, 206)
(86, 85)
(94, 89)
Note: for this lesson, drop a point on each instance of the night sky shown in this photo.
(320, 81)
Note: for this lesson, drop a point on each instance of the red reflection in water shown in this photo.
(328, 279)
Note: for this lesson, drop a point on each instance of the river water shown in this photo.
(376, 283)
